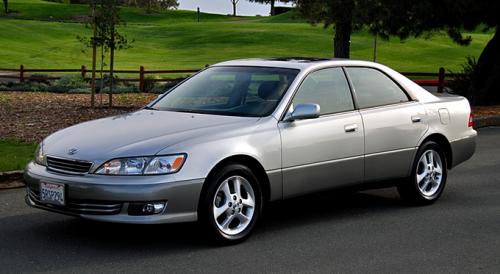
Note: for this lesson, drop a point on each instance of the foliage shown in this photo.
(272, 12)
(106, 18)
(461, 82)
(67, 83)
(59, 1)
(6, 6)
(153, 5)
(71, 81)
(14, 155)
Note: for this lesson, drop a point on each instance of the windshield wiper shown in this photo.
(149, 108)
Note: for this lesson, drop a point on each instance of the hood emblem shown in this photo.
(72, 151)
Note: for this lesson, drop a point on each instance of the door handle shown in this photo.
(350, 128)
(416, 119)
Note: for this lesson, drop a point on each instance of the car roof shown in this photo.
(293, 62)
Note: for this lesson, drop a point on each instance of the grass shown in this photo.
(173, 39)
(14, 155)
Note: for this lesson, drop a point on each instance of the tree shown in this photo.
(105, 35)
(272, 3)
(485, 86)
(339, 13)
(456, 16)
(406, 18)
(6, 6)
(234, 3)
(152, 5)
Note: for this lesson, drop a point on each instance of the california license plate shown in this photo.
(52, 193)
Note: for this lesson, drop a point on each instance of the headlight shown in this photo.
(143, 165)
(40, 155)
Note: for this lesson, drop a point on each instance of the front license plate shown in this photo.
(52, 193)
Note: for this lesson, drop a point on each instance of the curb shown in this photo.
(11, 179)
(486, 121)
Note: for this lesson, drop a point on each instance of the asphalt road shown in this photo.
(334, 232)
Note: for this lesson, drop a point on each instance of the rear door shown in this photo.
(327, 151)
(393, 123)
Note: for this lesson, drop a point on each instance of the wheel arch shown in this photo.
(250, 162)
(443, 142)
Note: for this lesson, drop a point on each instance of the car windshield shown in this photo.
(237, 91)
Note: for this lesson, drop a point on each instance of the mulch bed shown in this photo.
(31, 116)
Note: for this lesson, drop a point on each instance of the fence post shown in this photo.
(84, 71)
(441, 76)
(21, 73)
(141, 79)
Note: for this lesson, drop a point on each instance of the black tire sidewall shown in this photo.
(205, 207)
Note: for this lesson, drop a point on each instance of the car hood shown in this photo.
(141, 133)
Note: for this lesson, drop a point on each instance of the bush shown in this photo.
(68, 83)
(461, 82)
(39, 78)
(59, 1)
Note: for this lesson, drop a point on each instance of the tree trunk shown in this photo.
(273, 12)
(6, 6)
(342, 39)
(234, 7)
(485, 88)
(94, 57)
(111, 63)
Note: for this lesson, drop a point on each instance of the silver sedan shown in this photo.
(238, 134)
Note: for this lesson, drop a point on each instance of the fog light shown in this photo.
(148, 208)
(153, 208)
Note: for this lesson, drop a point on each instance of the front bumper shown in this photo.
(107, 198)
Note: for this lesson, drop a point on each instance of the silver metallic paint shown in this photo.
(298, 157)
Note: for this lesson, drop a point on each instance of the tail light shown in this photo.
(470, 124)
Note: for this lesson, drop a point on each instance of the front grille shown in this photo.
(65, 165)
(74, 206)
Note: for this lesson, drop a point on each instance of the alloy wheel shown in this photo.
(429, 173)
(234, 205)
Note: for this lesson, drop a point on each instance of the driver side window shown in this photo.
(328, 88)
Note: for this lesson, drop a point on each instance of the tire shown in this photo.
(227, 216)
(428, 177)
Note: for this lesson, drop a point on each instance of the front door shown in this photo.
(325, 152)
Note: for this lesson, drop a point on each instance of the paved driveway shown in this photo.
(334, 232)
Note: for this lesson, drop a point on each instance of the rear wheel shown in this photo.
(428, 177)
(231, 204)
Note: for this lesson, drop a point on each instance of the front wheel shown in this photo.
(428, 178)
(231, 204)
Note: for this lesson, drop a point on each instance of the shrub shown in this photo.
(461, 82)
(68, 82)
(39, 78)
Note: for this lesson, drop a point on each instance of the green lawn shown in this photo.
(15, 155)
(173, 39)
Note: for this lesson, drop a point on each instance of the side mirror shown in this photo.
(303, 112)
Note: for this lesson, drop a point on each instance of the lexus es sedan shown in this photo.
(219, 145)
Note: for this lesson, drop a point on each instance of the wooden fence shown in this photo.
(435, 79)
(22, 72)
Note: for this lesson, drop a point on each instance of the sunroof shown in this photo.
(298, 59)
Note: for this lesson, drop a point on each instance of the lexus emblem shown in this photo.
(72, 151)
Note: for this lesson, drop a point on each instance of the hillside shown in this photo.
(43, 34)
